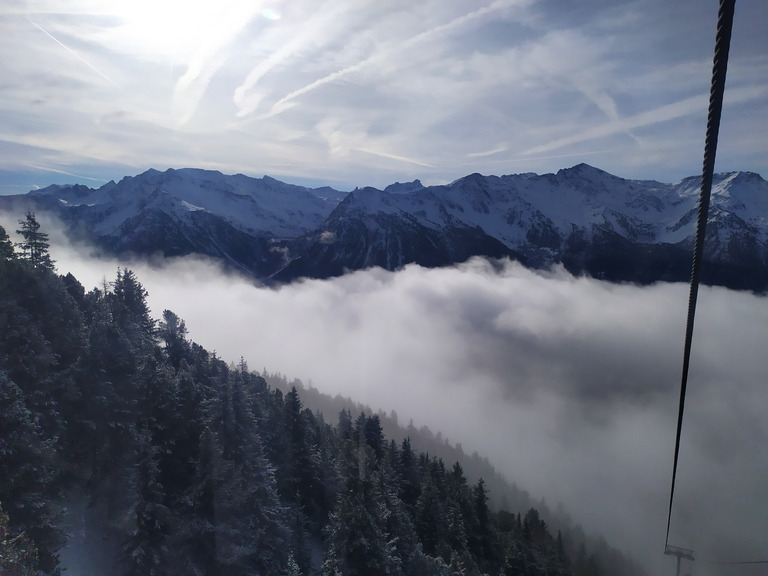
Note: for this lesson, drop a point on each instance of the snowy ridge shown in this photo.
(263, 207)
(582, 217)
(509, 207)
(590, 221)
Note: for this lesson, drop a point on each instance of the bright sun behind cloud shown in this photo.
(178, 29)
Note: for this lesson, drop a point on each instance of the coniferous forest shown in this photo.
(197, 467)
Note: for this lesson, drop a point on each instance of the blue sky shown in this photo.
(367, 93)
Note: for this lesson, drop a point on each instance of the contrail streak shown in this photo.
(65, 172)
(75, 54)
(283, 104)
(395, 157)
(692, 105)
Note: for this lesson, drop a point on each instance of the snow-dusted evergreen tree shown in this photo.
(237, 488)
(18, 555)
(292, 567)
(146, 550)
(35, 245)
(482, 544)
(6, 246)
(408, 466)
(357, 540)
(398, 523)
(172, 330)
(429, 515)
(130, 310)
(297, 478)
(29, 491)
(459, 513)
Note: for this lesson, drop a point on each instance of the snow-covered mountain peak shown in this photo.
(264, 206)
(588, 179)
(370, 200)
(582, 216)
(404, 187)
(744, 193)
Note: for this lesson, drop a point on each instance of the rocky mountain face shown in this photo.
(583, 218)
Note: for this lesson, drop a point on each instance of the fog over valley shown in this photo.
(568, 385)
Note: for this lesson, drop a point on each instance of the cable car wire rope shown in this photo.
(719, 68)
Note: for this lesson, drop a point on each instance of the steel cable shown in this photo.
(719, 68)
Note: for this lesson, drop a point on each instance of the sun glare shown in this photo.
(271, 14)
(177, 28)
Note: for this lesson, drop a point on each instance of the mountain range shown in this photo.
(583, 218)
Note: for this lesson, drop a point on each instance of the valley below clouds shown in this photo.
(568, 385)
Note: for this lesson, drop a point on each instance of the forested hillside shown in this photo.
(192, 466)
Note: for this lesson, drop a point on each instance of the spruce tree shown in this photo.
(6, 246)
(18, 555)
(239, 487)
(29, 488)
(482, 542)
(410, 485)
(173, 332)
(344, 428)
(357, 538)
(131, 311)
(146, 550)
(298, 478)
(34, 247)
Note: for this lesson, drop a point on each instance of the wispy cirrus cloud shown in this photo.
(230, 84)
(696, 105)
(210, 56)
(389, 50)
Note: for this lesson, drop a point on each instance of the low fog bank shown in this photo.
(568, 385)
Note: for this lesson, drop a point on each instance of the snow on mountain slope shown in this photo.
(263, 207)
(582, 217)
(583, 197)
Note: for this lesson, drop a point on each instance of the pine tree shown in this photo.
(374, 435)
(28, 489)
(18, 556)
(292, 567)
(410, 485)
(34, 247)
(146, 550)
(482, 542)
(399, 524)
(237, 487)
(173, 332)
(357, 540)
(344, 427)
(296, 477)
(459, 509)
(429, 516)
(185, 424)
(6, 246)
(131, 311)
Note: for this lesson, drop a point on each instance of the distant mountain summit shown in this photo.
(588, 220)
(237, 219)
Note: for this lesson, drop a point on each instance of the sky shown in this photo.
(568, 385)
(341, 93)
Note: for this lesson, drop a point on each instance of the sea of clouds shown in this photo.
(568, 385)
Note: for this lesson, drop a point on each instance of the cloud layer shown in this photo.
(369, 93)
(569, 385)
